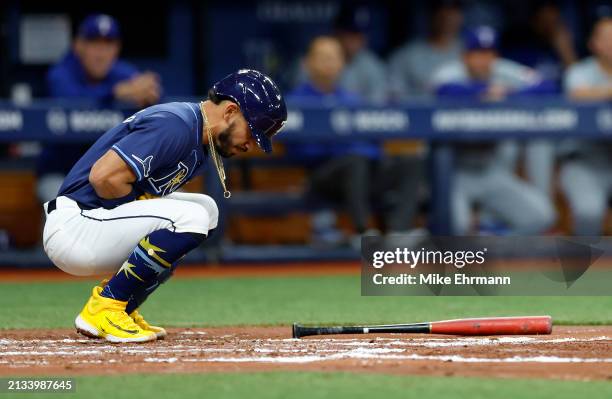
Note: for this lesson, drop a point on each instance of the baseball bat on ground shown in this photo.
(522, 325)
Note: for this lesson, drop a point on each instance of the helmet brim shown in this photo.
(261, 139)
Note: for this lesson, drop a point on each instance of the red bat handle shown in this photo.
(494, 326)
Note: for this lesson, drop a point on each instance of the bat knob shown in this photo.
(296, 330)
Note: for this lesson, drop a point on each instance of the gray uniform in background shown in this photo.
(586, 176)
(365, 75)
(485, 173)
(410, 67)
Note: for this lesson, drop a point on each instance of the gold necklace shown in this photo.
(213, 153)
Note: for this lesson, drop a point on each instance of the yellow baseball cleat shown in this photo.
(106, 318)
(142, 323)
(138, 319)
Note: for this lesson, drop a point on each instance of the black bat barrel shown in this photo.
(303, 331)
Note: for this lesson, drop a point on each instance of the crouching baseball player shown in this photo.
(118, 212)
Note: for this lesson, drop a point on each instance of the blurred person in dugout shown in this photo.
(353, 172)
(91, 70)
(364, 73)
(586, 166)
(545, 44)
(411, 65)
(485, 172)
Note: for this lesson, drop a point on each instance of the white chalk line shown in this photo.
(459, 341)
(358, 354)
(380, 354)
(268, 345)
(391, 349)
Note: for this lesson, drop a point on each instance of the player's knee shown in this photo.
(547, 217)
(537, 216)
(201, 217)
(213, 210)
(193, 218)
(460, 223)
(76, 260)
(588, 210)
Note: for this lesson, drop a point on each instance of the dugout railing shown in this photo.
(437, 123)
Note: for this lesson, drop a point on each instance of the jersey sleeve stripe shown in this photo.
(128, 161)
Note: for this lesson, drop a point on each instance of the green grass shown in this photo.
(273, 301)
(324, 385)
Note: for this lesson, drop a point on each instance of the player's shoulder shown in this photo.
(369, 59)
(586, 67)
(185, 111)
(180, 117)
(406, 52)
(453, 72)
(583, 73)
(172, 112)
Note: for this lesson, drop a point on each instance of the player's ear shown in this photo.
(231, 109)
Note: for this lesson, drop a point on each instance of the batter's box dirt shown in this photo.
(580, 353)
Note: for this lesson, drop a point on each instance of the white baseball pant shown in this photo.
(98, 241)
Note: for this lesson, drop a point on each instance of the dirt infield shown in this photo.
(573, 353)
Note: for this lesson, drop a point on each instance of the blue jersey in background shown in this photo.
(316, 151)
(67, 79)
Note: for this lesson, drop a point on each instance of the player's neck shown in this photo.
(208, 114)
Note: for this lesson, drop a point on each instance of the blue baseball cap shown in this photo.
(260, 102)
(99, 26)
(480, 38)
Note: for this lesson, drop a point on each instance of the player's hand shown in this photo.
(147, 88)
(143, 89)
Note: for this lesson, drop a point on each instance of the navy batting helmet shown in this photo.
(260, 101)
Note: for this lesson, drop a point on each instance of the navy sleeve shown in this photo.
(155, 141)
